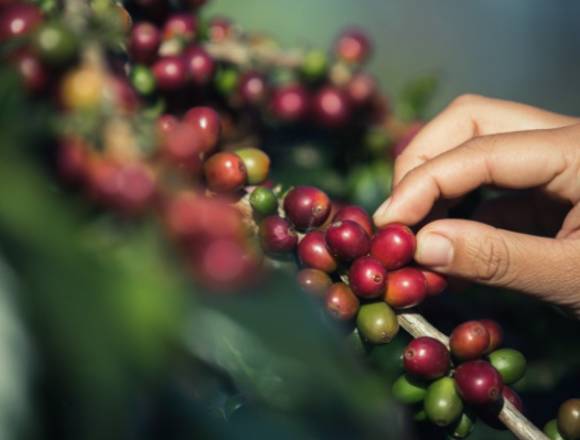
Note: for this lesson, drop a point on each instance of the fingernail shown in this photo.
(382, 210)
(434, 250)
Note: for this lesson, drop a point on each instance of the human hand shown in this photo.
(480, 141)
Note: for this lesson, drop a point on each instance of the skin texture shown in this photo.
(529, 242)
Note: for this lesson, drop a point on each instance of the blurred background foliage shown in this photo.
(102, 337)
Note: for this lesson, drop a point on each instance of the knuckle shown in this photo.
(491, 259)
(465, 100)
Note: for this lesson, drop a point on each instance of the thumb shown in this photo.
(541, 266)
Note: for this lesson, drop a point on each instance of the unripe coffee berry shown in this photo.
(377, 323)
(306, 207)
(478, 382)
(347, 240)
(551, 430)
(408, 390)
(263, 201)
(511, 364)
(469, 340)
(394, 246)
(367, 277)
(276, 235)
(442, 404)
(257, 164)
(313, 252)
(426, 358)
(341, 302)
(225, 172)
(405, 288)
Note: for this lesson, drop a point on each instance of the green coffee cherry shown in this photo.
(143, 80)
(226, 81)
(408, 390)
(511, 364)
(551, 430)
(263, 201)
(377, 323)
(569, 419)
(442, 403)
(315, 65)
(257, 164)
(55, 43)
(463, 427)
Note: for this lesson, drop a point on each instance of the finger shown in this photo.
(512, 160)
(469, 116)
(497, 257)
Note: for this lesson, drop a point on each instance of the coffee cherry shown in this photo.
(478, 382)
(436, 283)
(511, 364)
(406, 288)
(408, 390)
(377, 323)
(394, 246)
(119, 92)
(469, 340)
(462, 427)
(331, 107)
(495, 334)
(361, 88)
(314, 65)
(72, 160)
(207, 123)
(489, 413)
(225, 172)
(426, 358)
(18, 19)
(164, 124)
(182, 144)
(442, 404)
(200, 65)
(356, 214)
(252, 88)
(289, 103)
(226, 81)
(367, 277)
(313, 252)
(55, 43)
(144, 42)
(306, 207)
(569, 419)
(170, 73)
(135, 188)
(353, 46)
(32, 71)
(347, 240)
(341, 303)
(220, 29)
(314, 282)
(257, 164)
(82, 88)
(142, 80)
(182, 25)
(263, 201)
(276, 235)
(551, 430)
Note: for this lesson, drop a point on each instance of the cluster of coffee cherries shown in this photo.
(452, 387)
(360, 273)
(567, 425)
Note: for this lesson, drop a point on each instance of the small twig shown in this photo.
(243, 54)
(416, 325)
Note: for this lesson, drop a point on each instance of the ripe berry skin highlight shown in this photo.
(426, 358)
(367, 277)
(394, 246)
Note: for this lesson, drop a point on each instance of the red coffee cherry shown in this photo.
(436, 283)
(313, 252)
(72, 160)
(489, 413)
(306, 207)
(18, 19)
(361, 88)
(135, 188)
(253, 88)
(331, 107)
(367, 277)
(164, 124)
(353, 46)
(144, 42)
(469, 340)
(406, 288)
(206, 122)
(200, 65)
(182, 144)
(276, 235)
(32, 71)
(225, 172)
(170, 73)
(341, 303)
(220, 29)
(180, 25)
(356, 214)
(347, 240)
(426, 358)
(478, 382)
(495, 334)
(314, 282)
(289, 103)
(394, 246)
